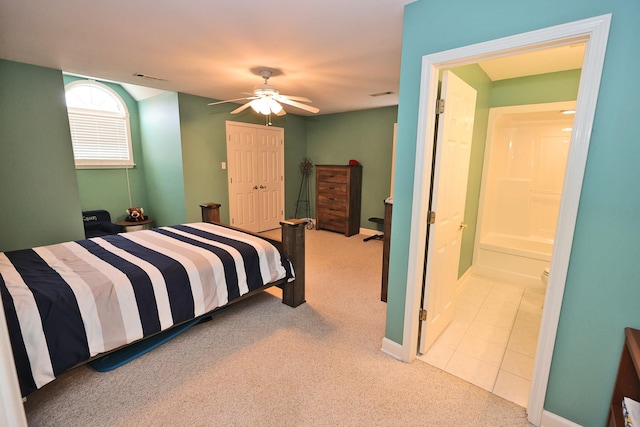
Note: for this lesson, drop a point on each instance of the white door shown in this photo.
(451, 170)
(270, 178)
(255, 160)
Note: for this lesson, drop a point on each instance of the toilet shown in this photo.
(545, 277)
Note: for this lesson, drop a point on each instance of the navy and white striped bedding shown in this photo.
(68, 302)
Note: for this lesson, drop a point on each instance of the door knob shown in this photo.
(263, 186)
(463, 226)
(255, 187)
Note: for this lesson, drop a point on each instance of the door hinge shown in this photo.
(440, 106)
(423, 314)
(431, 217)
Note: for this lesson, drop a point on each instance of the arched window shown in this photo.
(99, 122)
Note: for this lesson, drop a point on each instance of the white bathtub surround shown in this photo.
(523, 176)
(513, 259)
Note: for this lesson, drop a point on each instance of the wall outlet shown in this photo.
(224, 165)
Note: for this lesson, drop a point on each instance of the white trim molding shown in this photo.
(549, 419)
(594, 31)
(391, 348)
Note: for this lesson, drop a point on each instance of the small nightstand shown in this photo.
(129, 226)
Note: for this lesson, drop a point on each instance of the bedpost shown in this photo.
(210, 212)
(293, 245)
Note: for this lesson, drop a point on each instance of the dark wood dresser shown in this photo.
(338, 196)
(628, 379)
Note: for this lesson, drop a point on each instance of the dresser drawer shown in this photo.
(330, 211)
(334, 188)
(332, 175)
(330, 224)
(332, 200)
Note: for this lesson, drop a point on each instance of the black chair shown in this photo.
(98, 223)
(380, 222)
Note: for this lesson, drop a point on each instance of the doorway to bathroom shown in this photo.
(491, 340)
(594, 32)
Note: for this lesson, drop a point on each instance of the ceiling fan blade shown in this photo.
(299, 105)
(229, 100)
(241, 108)
(281, 113)
(293, 98)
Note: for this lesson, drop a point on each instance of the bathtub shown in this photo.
(514, 259)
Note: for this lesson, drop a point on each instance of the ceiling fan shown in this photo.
(266, 100)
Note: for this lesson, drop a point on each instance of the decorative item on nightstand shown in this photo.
(136, 220)
(136, 214)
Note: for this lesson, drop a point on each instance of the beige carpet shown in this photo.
(262, 363)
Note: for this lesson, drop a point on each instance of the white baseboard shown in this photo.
(549, 419)
(462, 283)
(369, 232)
(391, 348)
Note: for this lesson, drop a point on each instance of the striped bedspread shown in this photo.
(68, 302)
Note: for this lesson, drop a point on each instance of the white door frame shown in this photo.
(595, 32)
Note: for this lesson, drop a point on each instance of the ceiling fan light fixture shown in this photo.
(261, 105)
(267, 100)
(266, 106)
(274, 105)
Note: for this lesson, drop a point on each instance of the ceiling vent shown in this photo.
(144, 76)
(382, 93)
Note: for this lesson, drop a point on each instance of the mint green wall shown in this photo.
(161, 144)
(601, 292)
(295, 141)
(38, 190)
(366, 136)
(203, 134)
(551, 87)
(107, 188)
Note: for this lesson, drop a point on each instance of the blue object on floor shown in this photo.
(114, 360)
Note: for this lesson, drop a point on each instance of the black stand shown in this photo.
(379, 221)
(303, 200)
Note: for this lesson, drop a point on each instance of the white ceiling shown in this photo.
(550, 60)
(335, 52)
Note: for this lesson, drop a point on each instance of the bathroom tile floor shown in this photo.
(492, 339)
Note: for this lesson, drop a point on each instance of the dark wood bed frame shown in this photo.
(292, 246)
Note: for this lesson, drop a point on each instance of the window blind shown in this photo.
(99, 140)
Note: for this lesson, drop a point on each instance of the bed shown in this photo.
(69, 303)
